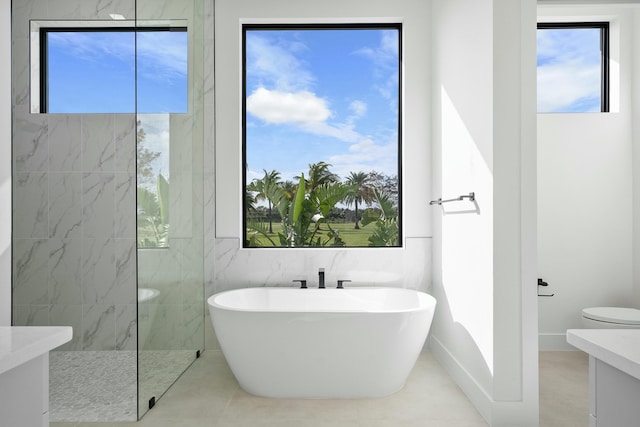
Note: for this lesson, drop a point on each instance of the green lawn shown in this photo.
(351, 237)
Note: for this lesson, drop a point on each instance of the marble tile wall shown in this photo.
(75, 260)
(74, 226)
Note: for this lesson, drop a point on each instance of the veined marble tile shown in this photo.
(98, 327)
(99, 284)
(30, 144)
(125, 255)
(209, 207)
(31, 315)
(126, 327)
(102, 9)
(190, 258)
(64, 271)
(21, 75)
(394, 267)
(209, 267)
(165, 9)
(31, 205)
(98, 144)
(193, 326)
(65, 208)
(126, 143)
(65, 143)
(181, 143)
(30, 257)
(209, 136)
(68, 315)
(181, 205)
(160, 269)
(64, 9)
(98, 205)
(125, 205)
(165, 333)
(24, 10)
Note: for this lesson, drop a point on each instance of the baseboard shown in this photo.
(474, 391)
(496, 413)
(554, 342)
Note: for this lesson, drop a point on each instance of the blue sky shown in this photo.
(568, 70)
(103, 64)
(321, 95)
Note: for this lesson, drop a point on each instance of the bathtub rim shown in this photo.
(427, 301)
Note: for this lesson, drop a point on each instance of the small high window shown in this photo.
(113, 70)
(573, 67)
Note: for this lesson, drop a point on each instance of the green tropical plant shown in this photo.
(306, 211)
(385, 218)
(303, 208)
(153, 211)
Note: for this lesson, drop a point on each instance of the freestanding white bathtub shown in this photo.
(321, 343)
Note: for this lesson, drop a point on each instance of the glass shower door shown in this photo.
(169, 193)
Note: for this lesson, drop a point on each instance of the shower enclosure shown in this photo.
(108, 197)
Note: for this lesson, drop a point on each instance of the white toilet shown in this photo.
(610, 318)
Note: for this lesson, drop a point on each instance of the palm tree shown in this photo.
(363, 192)
(319, 174)
(267, 188)
(289, 188)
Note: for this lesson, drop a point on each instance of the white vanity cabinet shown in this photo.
(24, 373)
(614, 374)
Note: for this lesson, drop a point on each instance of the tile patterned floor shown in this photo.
(208, 395)
(91, 386)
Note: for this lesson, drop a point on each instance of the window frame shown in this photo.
(248, 26)
(605, 48)
(44, 30)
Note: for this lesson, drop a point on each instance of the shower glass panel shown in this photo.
(170, 245)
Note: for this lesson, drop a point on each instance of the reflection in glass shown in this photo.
(170, 230)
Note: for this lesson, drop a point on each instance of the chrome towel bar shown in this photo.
(471, 196)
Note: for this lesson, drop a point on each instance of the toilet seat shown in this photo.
(618, 315)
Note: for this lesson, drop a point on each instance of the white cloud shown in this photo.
(162, 54)
(568, 69)
(304, 110)
(385, 54)
(358, 108)
(366, 155)
(276, 65)
(561, 85)
(275, 107)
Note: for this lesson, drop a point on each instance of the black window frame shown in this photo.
(319, 26)
(603, 26)
(44, 62)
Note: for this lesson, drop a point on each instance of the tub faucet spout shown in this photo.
(321, 278)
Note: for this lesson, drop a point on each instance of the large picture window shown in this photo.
(573, 67)
(321, 135)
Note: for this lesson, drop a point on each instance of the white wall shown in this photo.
(408, 266)
(485, 330)
(585, 175)
(5, 164)
(635, 91)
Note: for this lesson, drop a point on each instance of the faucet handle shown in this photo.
(303, 283)
(340, 282)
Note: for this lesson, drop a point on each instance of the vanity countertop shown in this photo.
(619, 348)
(20, 344)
